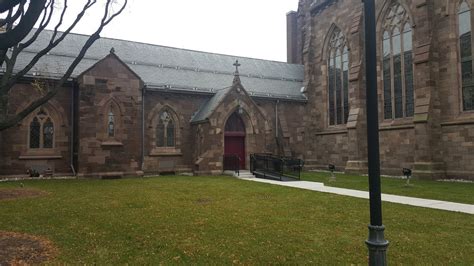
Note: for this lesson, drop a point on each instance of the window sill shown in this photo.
(331, 132)
(111, 143)
(40, 157)
(458, 123)
(338, 127)
(166, 152)
(396, 127)
(399, 122)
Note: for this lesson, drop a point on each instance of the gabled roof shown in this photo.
(114, 57)
(208, 108)
(170, 68)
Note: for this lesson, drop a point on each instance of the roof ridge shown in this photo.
(185, 49)
(177, 67)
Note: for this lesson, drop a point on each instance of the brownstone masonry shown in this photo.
(147, 109)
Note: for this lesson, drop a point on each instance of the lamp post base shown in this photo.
(377, 246)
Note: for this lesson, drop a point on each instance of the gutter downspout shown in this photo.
(73, 125)
(143, 129)
(276, 118)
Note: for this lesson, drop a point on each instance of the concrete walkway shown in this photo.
(320, 187)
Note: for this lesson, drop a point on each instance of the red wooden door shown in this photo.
(234, 138)
(235, 145)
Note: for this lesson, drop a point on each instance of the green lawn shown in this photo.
(438, 190)
(221, 220)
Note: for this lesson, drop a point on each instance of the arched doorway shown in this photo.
(234, 139)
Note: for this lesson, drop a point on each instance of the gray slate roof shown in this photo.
(167, 68)
(208, 108)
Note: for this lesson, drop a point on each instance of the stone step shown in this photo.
(244, 174)
(183, 170)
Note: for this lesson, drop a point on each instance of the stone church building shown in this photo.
(133, 108)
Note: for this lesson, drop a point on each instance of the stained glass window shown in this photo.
(111, 123)
(465, 50)
(160, 135)
(48, 134)
(387, 76)
(170, 134)
(165, 130)
(397, 65)
(331, 90)
(338, 79)
(35, 128)
(408, 64)
(41, 132)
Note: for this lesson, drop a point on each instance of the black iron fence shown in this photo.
(275, 167)
(232, 163)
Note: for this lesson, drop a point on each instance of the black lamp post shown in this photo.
(376, 241)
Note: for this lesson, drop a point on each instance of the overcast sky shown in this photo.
(250, 28)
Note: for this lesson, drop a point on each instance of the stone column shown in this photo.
(427, 106)
(356, 123)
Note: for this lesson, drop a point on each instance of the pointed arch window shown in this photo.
(338, 79)
(111, 123)
(41, 131)
(465, 52)
(165, 130)
(397, 65)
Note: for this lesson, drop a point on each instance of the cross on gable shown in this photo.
(236, 64)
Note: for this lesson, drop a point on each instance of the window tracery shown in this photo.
(41, 131)
(397, 65)
(465, 52)
(338, 79)
(165, 130)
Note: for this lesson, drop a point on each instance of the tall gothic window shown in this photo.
(465, 51)
(398, 92)
(338, 79)
(41, 131)
(165, 130)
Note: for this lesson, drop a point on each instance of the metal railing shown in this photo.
(232, 163)
(275, 167)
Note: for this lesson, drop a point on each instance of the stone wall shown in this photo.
(458, 142)
(341, 145)
(182, 106)
(211, 132)
(16, 156)
(457, 126)
(109, 84)
(437, 141)
(332, 148)
(397, 151)
(290, 127)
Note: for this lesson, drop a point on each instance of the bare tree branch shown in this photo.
(53, 43)
(19, 48)
(15, 35)
(12, 18)
(11, 121)
(8, 19)
(44, 22)
(60, 20)
(8, 4)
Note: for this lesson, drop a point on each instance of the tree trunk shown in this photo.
(3, 107)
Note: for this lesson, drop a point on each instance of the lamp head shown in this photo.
(332, 167)
(406, 172)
